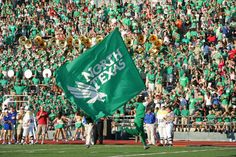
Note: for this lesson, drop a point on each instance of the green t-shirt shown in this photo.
(219, 119)
(19, 89)
(192, 102)
(169, 70)
(177, 112)
(184, 81)
(224, 99)
(185, 113)
(211, 117)
(199, 118)
(158, 79)
(227, 119)
(151, 78)
(35, 81)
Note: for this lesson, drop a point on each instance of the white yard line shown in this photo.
(176, 152)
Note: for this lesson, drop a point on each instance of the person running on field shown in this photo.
(138, 120)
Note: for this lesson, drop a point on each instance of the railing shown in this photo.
(18, 99)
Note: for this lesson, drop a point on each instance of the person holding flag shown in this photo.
(139, 119)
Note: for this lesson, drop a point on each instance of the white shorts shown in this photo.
(28, 131)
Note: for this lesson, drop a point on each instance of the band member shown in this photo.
(162, 125)
(169, 119)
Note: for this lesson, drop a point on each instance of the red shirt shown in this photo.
(43, 118)
(232, 54)
(211, 39)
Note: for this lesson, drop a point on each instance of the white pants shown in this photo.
(150, 133)
(169, 128)
(28, 131)
(89, 134)
(162, 132)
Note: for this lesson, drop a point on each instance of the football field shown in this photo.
(72, 150)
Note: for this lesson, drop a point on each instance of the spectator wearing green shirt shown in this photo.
(210, 121)
(198, 124)
(150, 81)
(177, 114)
(184, 81)
(227, 122)
(225, 101)
(158, 82)
(219, 122)
(184, 118)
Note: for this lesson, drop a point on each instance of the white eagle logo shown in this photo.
(86, 91)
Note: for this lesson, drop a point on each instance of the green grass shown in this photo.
(112, 151)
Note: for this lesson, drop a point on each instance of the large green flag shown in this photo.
(102, 79)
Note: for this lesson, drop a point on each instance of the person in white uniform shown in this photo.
(28, 127)
(169, 119)
(88, 125)
(162, 125)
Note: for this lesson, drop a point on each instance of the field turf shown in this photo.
(72, 150)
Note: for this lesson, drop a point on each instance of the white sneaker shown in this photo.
(9, 142)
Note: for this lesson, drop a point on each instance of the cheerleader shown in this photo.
(78, 126)
(60, 127)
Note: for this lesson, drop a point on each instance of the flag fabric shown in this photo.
(102, 79)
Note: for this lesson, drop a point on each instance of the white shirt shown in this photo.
(28, 120)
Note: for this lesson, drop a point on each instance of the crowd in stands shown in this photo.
(192, 69)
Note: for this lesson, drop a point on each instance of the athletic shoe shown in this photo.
(87, 146)
(146, 147)
(36, 142)
(4, 143)
(9, 142)
(42, 142)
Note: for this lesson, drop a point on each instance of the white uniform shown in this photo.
(89, 134)
(169, 126)
(162, 125)
(28, 126)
